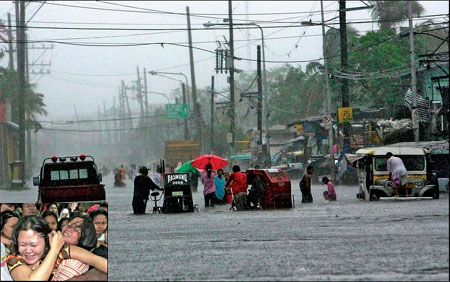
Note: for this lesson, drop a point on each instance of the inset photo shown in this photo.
(54, 241)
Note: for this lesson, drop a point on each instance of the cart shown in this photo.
(177, 193)
(271, 188)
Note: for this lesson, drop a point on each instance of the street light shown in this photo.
(266, 110)
(173, 73)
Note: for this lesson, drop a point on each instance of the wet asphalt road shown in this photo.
(343, 240)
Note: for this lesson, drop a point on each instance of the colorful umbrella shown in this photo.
(186, 167)
(215, 161)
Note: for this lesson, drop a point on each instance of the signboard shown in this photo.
(229, 137)
(326, 119)
(345, 114)
(299, 128)
(176, 111)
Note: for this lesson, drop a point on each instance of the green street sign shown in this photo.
(176, 111)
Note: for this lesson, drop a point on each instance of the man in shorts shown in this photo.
(397, 172)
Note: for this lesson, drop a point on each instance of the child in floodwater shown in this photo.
(331, 193)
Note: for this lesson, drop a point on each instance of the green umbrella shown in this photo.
(186, 167)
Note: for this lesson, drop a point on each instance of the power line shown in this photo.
(435, 16)
(97, 120)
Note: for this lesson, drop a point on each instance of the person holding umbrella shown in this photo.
(209, 187)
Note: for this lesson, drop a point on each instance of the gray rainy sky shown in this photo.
(87, 76)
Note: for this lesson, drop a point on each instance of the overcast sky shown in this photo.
(87, 76)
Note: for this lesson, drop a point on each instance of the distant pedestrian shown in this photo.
(209, 187)
(397, 172)
(330, 194)
(142, 186)
(219, 181)
(305, 185)
(194, 179)
(157, 176)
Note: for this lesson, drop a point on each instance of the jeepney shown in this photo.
(373, 176)
(69, 179)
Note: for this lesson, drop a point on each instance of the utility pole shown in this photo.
(186, 130)
(28, 114)
(259, 108)
(194, 88)
(145, 90)
(344, 82)
(327, 87)
(21, 70)
(231, 66)
(100, 127)
(139, 90)
(10, 45)
(247, 35)
(414, 110)
(108, 133)
(147, 135)
(212, 115)
(114, 117)
(124, 88)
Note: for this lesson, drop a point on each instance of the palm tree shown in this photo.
(391, 13)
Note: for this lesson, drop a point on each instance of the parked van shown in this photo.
(373, 176)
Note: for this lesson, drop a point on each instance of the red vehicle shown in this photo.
(273, 186)
(69, 179)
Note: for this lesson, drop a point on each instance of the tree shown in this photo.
(34, 102)
(391, 13)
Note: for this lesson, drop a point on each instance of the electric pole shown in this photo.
(212, 115)
(194, 88)
(327, 87)
(344, 82)
(145, 90)
(21, 71)
(100, 127)
(414, 110)
(114, 117)
(139, 92)
(10, 45)
(108, 133)
(231, 67)
(259, 108)
(186, 130)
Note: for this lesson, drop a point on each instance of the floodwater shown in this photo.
(344, 240)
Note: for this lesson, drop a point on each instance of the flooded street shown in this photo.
(344, 240)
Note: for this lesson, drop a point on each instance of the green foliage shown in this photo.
(34, 102)
(391, 13)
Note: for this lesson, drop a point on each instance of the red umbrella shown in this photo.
(215, 161)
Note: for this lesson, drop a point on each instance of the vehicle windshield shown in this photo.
(412, 163)
(68, 174)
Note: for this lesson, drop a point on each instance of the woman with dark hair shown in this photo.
(51, 219)
(62, 222)
(8, 220)
(37, 251)
(209, 187)
(100, 220)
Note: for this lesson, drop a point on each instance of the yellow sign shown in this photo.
(345, 114)
(299, 128)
